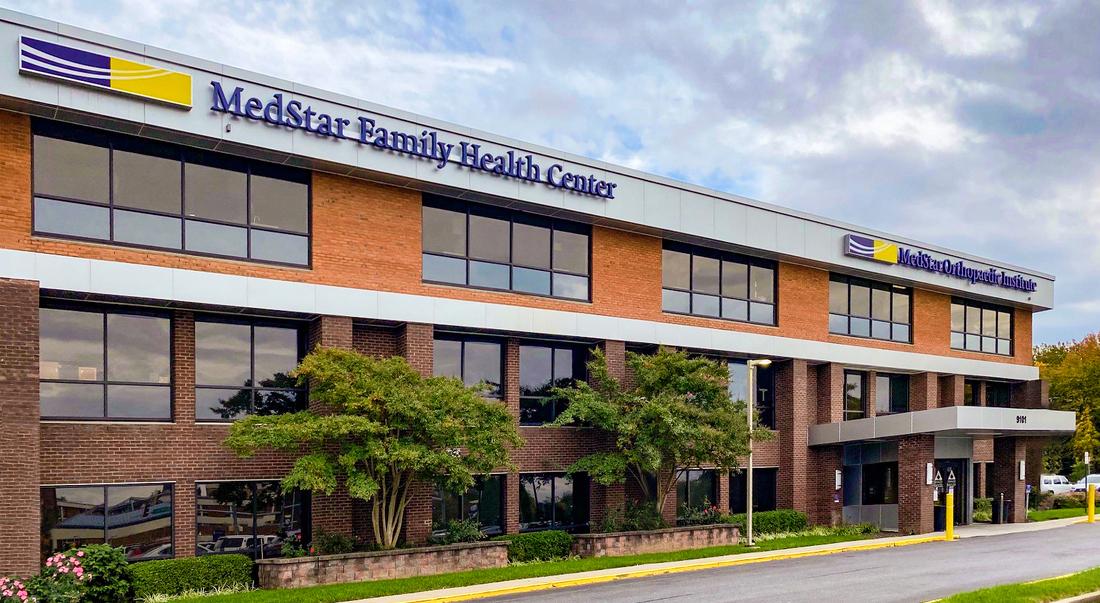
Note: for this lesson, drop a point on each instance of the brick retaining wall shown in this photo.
(380, 565)
(655, 541)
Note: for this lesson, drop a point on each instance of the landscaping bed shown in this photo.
(654, 541)
(380, 565)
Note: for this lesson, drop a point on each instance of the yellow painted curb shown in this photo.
(513, 590)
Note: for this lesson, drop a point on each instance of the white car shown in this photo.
(1055, 484)
(1083, 483)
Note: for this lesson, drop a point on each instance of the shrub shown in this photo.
(706, 514)
(14, 590)
(538, 546)
(1069, 501)
(780, 521)
(462, 530)
(633, 517)
(176, 576)
(326, 543)
(983, 509)
(111, 577)
(293, 547)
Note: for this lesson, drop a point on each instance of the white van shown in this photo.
(1055, 484)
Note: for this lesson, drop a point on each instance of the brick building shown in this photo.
(176, 234)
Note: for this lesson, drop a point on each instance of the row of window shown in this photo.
(862, 308)
(892, 394)
(252, 518)
(977, 327)
(118, 365)
(109, 187)
(709, 283)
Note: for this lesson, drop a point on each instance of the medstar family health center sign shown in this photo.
(279, 111)
(891, 253)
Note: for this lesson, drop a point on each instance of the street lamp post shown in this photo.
(750, 406)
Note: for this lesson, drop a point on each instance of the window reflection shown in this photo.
(137, 518)
(552, 501)
(250, 518)
(710, 283)
(475, 361)
(245, 369)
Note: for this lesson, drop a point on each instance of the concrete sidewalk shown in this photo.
(512, 587)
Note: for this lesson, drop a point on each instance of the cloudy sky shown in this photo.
(974, 126)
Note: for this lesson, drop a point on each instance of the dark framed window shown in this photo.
(855, 395)
(978, 327)
(136, 517)
(541, 368)
(243, 367)
(765, 389)
(998, 394)
(880, 484)
(553, 501)
(862, 308)
(251, 518)
(695, 489)
(97, 364)
(484, 501)
(100, 186)
(473, 360)
(489, 248)
(970, 393)
(891, 394)
(706, 282)
(764, 483)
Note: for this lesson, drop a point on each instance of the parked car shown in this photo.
(246, 544)
(1055, 484)
(1083, 483)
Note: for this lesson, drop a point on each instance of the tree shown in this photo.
(388, 427)
(1073, 372)
(678, 414)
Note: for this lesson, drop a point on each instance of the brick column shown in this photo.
(793, 415)
(824, 503)
(1031, 394)
(609, 499)
(418, 515)
(333, 514)
(183, 407)
(979, 393)
(922, 391)
(415, 343)
(979, 477)
(830, 393)
(871, 394)
(1033, 467)
(668, 513)
(952, 390)
(914, 493)
(20, 507)
(511, 399)
(1007, 454)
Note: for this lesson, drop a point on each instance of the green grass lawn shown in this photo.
(1055, 514)
(1043, 590)
(362, 590)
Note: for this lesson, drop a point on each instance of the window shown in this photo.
(854, 401)
(244, 368)
(542, 367)
(94, 185)
(891, 394)
(764, 482)
(998, 394)
(474, 361)
(552, 501)
(483, 502)
(249, 518)
(970, 393)
(868, 309)
(765, 389)
(977, 327)
(695, 489)
(136, 517)
(104, 365)
(880, 484)
(490, 248)
(711, 283)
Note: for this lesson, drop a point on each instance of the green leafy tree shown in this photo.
(388, 427)
(677, 414)
(1085, 438)
(1073, 372)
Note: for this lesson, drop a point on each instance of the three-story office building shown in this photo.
(176, 234)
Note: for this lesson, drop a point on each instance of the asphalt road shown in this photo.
(911, 573)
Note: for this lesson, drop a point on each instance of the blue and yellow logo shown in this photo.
(101, 71)
(871, 249)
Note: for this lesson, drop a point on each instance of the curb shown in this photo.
(1085, 598)
(703, 564)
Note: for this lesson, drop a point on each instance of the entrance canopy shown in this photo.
(980, 421)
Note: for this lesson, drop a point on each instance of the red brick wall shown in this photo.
(914, 493)
(923, 394)
(793, 416)
(332, 513)
(19, 412)
(1007, 454)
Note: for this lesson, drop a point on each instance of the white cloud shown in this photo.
(995, 29)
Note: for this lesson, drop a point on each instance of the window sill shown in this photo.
(105, 422)
(721, 320)
(862, 338)
(457, 287)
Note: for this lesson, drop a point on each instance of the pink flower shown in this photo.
(6, 593)
(79, 572)
(80, 553)
(22, 594)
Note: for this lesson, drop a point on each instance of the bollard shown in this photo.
(949, 501)
(1092, 503)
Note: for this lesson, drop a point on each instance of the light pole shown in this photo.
(750, 406)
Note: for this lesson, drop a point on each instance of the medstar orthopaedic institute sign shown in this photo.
(891, 253)
(280, 111)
